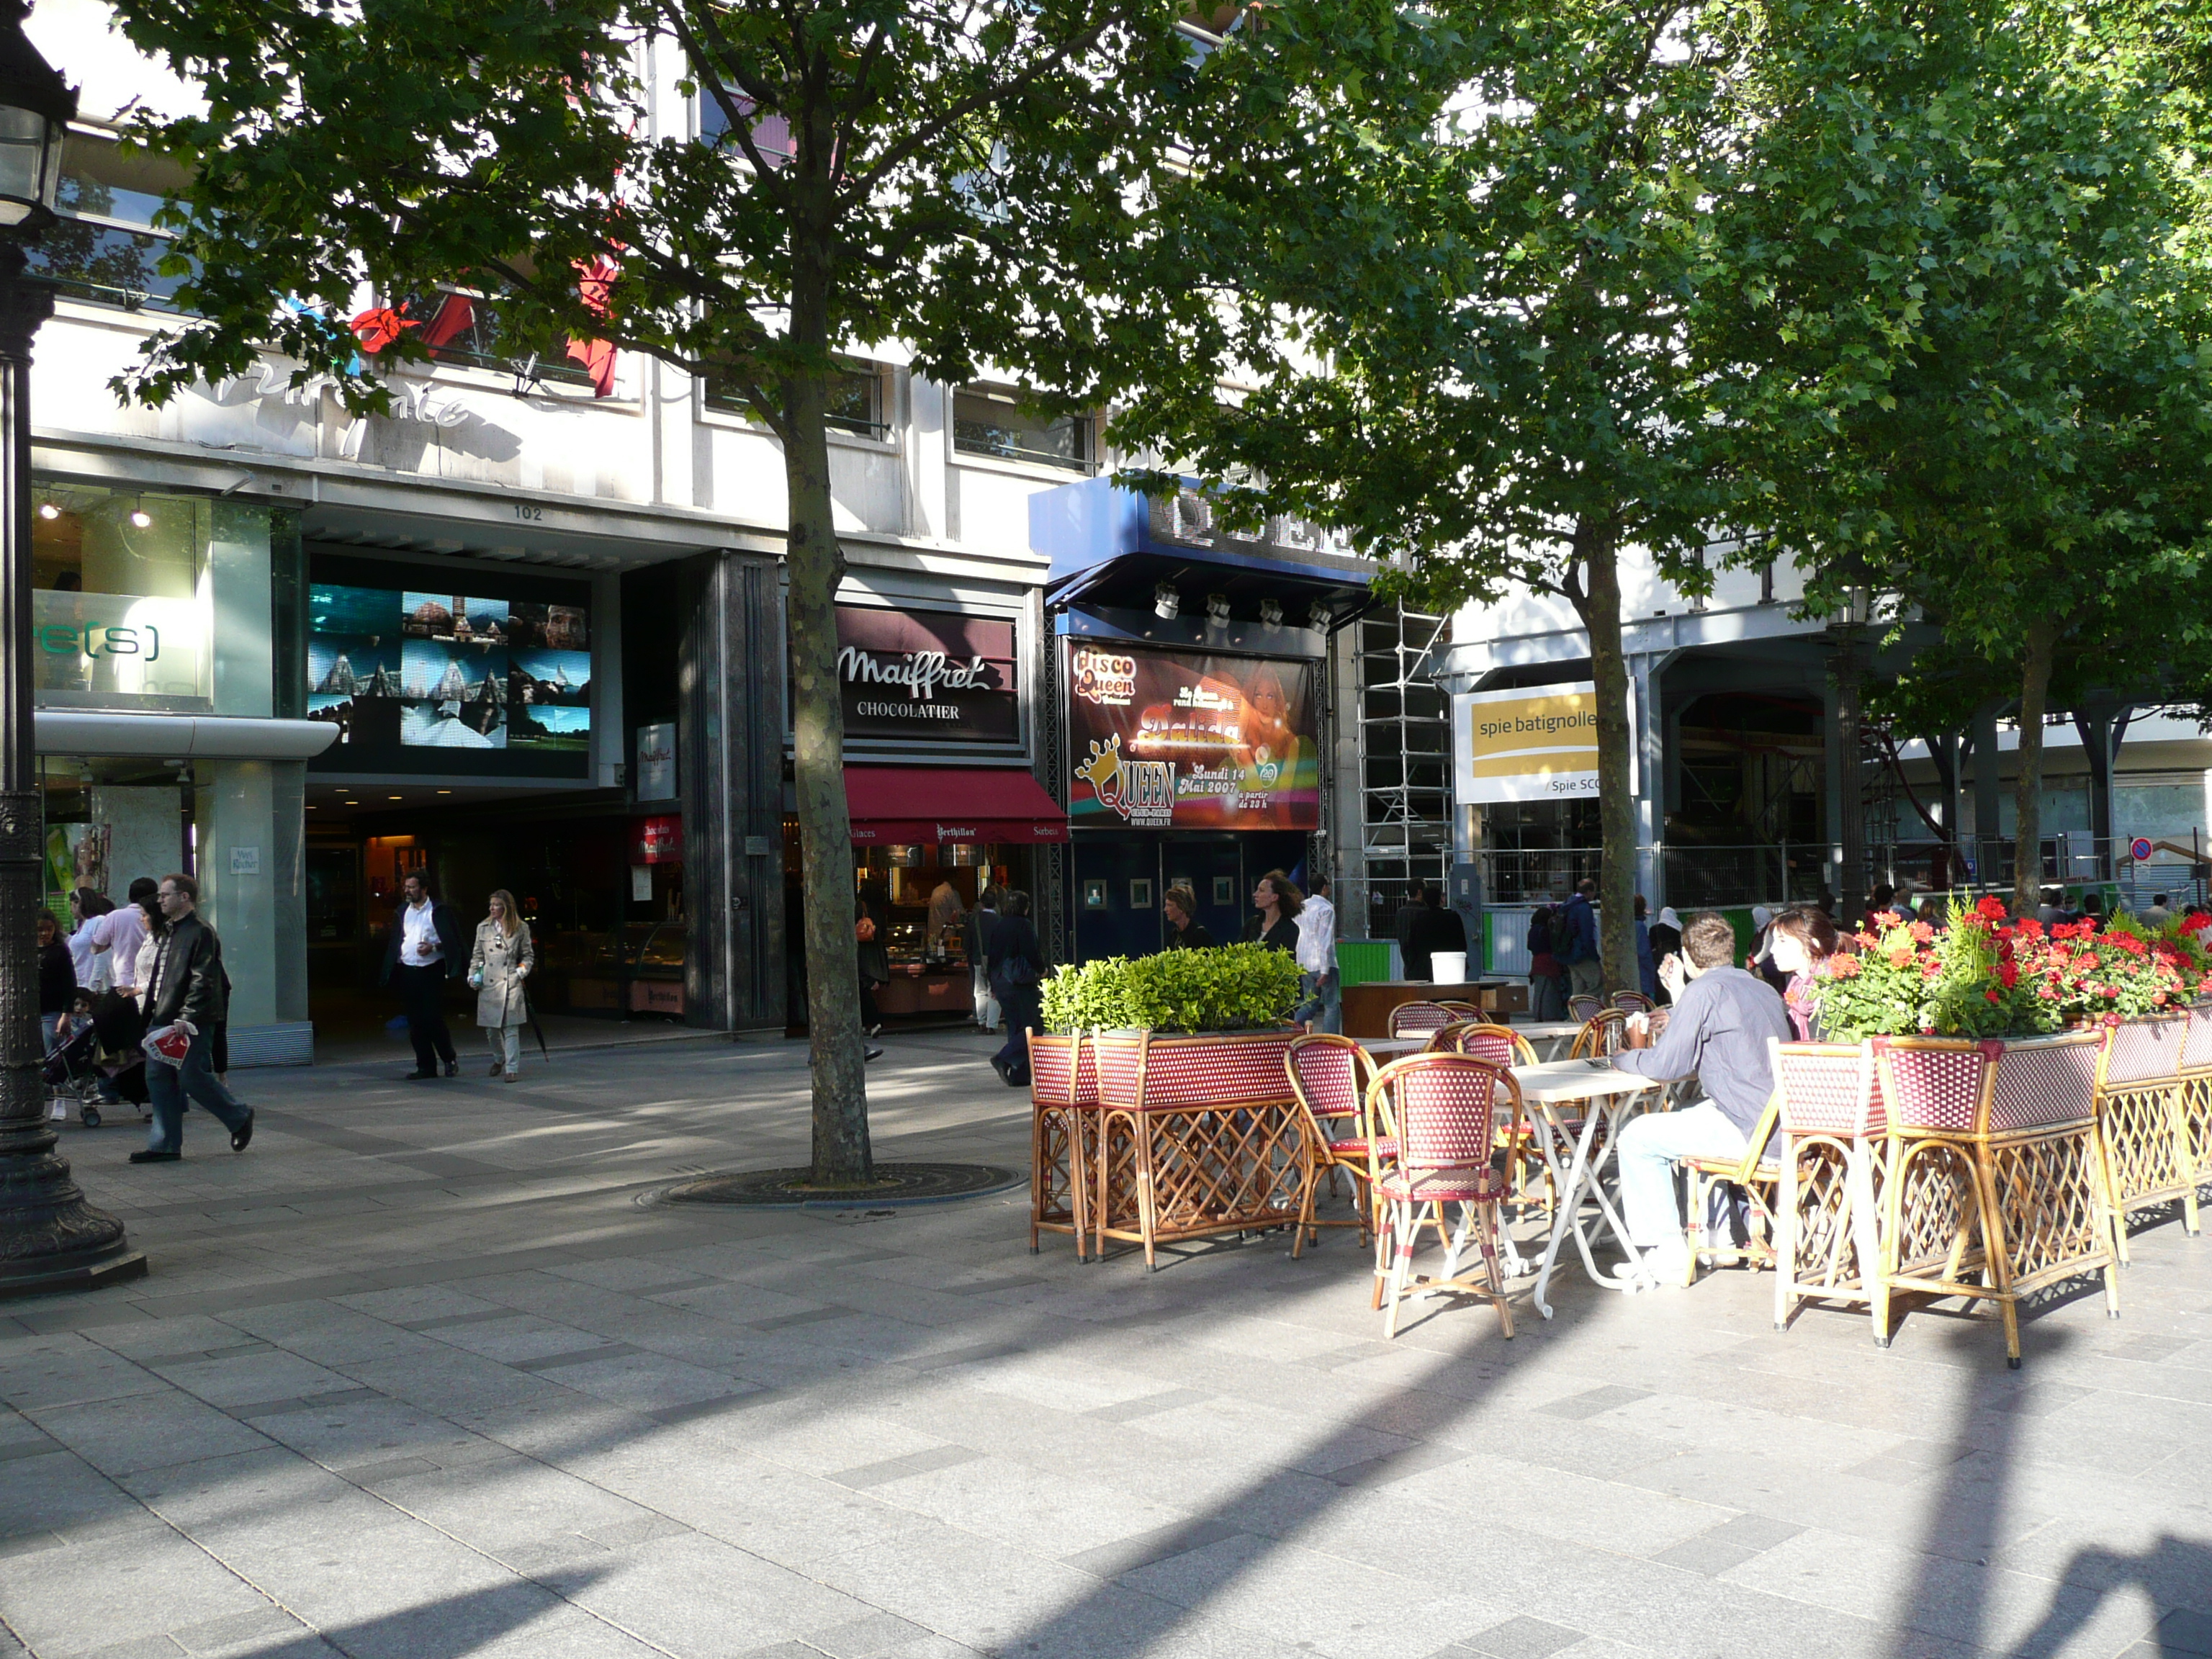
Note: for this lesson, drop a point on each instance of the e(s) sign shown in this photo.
(1538, 743)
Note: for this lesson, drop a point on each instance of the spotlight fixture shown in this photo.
(1319, 617)
(48, 510)
(1271, 612)
(141, 519)
(1217, 607)
(1166, 602)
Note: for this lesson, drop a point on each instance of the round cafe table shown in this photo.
(1608, 1095)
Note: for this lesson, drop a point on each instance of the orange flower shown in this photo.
(1901, 957)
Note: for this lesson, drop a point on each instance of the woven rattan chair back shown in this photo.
(1585, 1007)
(1633, 1002)
(1328, 1074)
(1828, 1088)
(1602, 1035)
(1459, 1008)
(1440, 1110)
(1418, 1019)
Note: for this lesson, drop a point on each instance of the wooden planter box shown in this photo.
(1196, 1136)
(1996, 1184)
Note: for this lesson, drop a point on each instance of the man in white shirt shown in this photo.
(121, 932)
(1319, 980)
(423, 949)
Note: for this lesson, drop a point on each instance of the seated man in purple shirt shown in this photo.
(1722, 1018)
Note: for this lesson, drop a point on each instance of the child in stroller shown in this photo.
(96, 1061)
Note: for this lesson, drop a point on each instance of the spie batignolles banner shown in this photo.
(1537, 743)
(1160, 740)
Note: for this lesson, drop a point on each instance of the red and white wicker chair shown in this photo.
(1329, 1076)
(1418, 1019)
(1438, 1113)
(1828, 1208)
(1458, 1008)
(1585, 1006)
(1603, 1034)
(1633, 1002)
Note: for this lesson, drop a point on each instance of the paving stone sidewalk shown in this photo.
(426, 1373)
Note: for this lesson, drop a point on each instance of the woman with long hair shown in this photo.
(1798, 941)
(502, 959)
(1278, 902)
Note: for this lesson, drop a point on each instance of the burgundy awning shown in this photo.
(905, 805)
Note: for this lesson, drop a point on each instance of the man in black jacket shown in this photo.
(424, 948)
(1425, 927)
(189, 991)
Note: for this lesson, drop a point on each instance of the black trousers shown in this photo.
(422, 994)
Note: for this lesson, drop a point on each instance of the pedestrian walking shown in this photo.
(1017, 967)
(126, 933)
(86, 948)
(1320, 983)
(57, 979)
(1647, 969)
(499, 961)
(1547, 975)
(975, 944)
(872, 957)
(421, 952)
(187, 997)
(1585, 971)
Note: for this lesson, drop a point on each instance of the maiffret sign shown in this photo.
(928, 676)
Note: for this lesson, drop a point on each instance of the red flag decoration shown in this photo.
(455, 314)
(595, 281)
(379, 327)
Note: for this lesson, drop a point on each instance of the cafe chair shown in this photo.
(1459, 1009)
(1584, 1008)
(1418, 1019)
(1633, 1002)
(1760, 1177)
(1329, 1076)
(1603, 1034)
(1436, 1117)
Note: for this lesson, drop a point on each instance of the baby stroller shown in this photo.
(100, 1062)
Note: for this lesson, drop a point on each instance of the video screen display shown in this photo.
(417, 669)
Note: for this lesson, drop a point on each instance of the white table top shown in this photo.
(1395, 1046)
(1577, 1079)
(1550, 1028)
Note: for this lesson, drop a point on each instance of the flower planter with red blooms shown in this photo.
(2066, 1136)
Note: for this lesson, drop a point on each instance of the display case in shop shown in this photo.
(636, 969)
(929, 968)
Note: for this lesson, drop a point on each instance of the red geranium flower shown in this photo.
(1991, 908)
(1922, 932)
(1993, 996)
(2195, 924)
(2007, 976)
(1901, 957)
(1841, 966)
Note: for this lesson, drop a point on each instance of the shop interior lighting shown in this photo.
(48, 510)
(391, 797)
(140, 518)
(1271, 612)
(1217, 607)
(1166, 602)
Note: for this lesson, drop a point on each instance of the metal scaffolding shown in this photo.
(1405, 762)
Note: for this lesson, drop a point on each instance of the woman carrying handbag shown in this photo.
(501, 960)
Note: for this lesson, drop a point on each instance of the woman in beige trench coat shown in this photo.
(501, 961)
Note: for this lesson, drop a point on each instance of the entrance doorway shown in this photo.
(1119, 878)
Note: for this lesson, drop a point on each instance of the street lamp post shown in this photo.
(50, 1239)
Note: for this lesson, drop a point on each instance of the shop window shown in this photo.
(108, 822)
(106, 247)
(122, 601)
(857, 400)
(464, 327)
(987, 421)
(771, 134)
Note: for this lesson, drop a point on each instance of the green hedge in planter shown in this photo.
(1233, 988)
